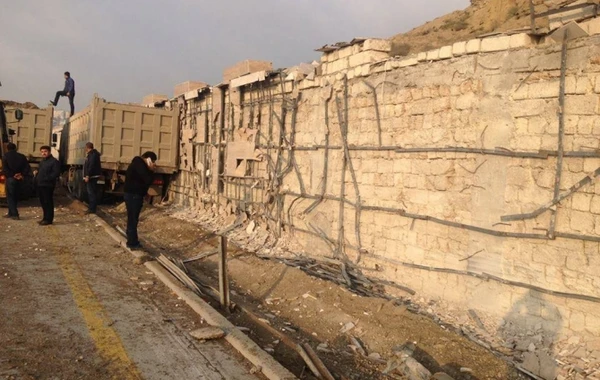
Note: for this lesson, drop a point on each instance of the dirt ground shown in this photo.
(74, 306)
(311, 310)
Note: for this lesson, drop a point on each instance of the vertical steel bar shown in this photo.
(223, 276)
(532, 15)
(561, 132)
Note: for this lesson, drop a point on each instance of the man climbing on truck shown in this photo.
(68, 91)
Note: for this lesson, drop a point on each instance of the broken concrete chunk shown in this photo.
(347, 327)
(413, 370)
(442, 376)
(250, 227)
(208, 333)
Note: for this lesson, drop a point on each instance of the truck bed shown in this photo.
(120, 132)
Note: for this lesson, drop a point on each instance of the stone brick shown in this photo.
(377, 44)
(595, 205)
(577, 321)
(465, 101)
(592, 26)
(530, 107)
(582, 222)
(433, 55)
(446, 52)
(542, 90)
(581, 202)
(520, 40)
(338, 65)
(459, 48)
(492, 44)
(408, 62)
(367, 57)
(344, 52)
(473, 46)
(422, 56)
(581, 104)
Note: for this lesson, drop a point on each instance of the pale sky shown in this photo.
(125, 49)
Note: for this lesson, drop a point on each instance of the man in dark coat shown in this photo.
(48, 173)
(68, 91)
(16, 168)
(91, 172)
(138, 179)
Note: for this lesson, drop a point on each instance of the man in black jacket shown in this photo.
(91, 172)
(16, 168)
(138, 179)
(48, 173)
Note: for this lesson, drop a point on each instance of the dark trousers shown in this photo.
(46, 195)
(92, 191)
(71, 98)
(13, 188)
(134, 203)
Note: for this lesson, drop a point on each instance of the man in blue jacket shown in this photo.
(91, 172)
(69, 92)
(48, 173)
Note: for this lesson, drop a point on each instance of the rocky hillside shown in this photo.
(481, 17)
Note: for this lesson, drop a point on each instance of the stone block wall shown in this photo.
(415, 168)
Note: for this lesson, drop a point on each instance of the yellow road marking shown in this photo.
(107, 341)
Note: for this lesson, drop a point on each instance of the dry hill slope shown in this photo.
(481, 17)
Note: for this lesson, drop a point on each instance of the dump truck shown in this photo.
(119, 132)
(29, 129)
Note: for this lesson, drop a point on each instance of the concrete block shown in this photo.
(581, 104)
(367, 57)
(459, 48)
(433, 55)
(377, 44)
(520, 40)
(446, 52)
(491, 44)
(408, 62)
(592, 26)
(188, 86)
(542, 90)
(473, 46)
(422, 56)
(337, 66)
(345, 52)
(245, 67)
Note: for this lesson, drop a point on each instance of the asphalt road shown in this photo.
(73, 305)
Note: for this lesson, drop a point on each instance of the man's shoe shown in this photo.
(45, 223)
(14, 217)
(135, 247)
(52, 102)
(87, 212)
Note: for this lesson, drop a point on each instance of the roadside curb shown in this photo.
(271, 368)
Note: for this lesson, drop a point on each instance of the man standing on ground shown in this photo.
(137, 182)
(91, 172)
(16, 168)
(48, 173)
(69, 92)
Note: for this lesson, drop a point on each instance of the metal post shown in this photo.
(561, 132)
(532, 15)
(223, 277)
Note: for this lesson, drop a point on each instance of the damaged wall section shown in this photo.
(422, 170)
